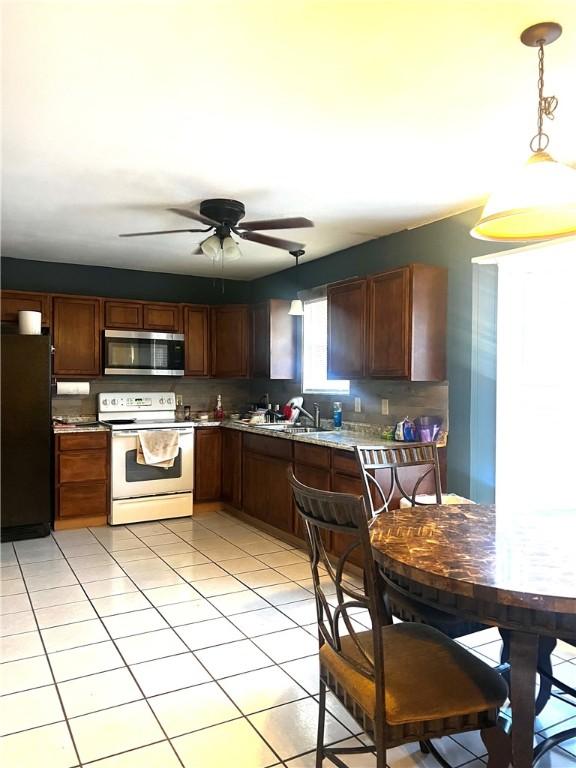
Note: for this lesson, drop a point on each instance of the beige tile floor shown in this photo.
(182, 644)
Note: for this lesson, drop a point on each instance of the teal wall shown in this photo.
(53, 277)
(446, 243)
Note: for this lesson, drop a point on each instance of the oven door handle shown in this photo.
(135, 434)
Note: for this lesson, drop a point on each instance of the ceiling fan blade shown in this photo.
(196, 215)
(275, 242)
(160, 232)
(296, 222)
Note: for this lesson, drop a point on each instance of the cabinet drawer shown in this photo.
(82, 499)
(345, 462)
(313, 455)
(268, 446)
(82, 466)
(82, 441)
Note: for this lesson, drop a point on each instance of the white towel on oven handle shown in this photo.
(158, 447)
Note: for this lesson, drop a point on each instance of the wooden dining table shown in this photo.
(499, 566)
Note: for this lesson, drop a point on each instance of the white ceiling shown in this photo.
(366, 116)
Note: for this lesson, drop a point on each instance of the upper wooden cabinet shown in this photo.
(162, 317)
(13, 302)
(123, 314)
(273, 340)
(391, 325)
(346, 329)
(407, 324)
(196, 340)
(136, 315)
(76, 331)
(230, 327)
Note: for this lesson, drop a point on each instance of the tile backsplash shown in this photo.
(404, 398)
(199, 394)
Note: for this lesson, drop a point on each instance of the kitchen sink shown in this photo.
(290, 429)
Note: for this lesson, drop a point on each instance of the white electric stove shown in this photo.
(140, 491)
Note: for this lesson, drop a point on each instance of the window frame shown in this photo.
(312, 297)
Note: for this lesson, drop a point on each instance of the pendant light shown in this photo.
(296, 306)
(539, 202)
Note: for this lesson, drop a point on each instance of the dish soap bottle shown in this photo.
(337, 415)
(219, 411)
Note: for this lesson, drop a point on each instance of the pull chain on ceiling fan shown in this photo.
(223, 218)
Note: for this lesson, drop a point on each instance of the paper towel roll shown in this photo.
(29, 322)
(73, 388)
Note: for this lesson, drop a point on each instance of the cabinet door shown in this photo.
(229, 334)
(208, 464)
(389, 337)
(14, 301)
(123, 314)
(76, 333)
(346, 329)
(162, 317)
(254, 489)
(266, 493)
(232, 467)
(196, 340)
(261, 341)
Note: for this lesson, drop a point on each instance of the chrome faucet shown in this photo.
(314, 419)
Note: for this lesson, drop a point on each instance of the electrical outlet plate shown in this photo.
(384, 408)
(357, 405)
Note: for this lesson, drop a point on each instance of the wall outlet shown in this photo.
(357, 405)
(384, 407)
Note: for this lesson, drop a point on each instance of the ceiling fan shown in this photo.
(223, 216)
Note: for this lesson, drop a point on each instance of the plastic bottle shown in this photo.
(179, 408)
(218, 411)
(337, 415)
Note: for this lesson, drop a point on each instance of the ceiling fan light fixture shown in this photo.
(539, 201)
(296, 308)
(230, 249)
(212, 248)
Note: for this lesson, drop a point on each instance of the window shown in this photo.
(315, 351)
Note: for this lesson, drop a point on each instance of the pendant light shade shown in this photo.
(539, 201)
(536, 203)
(296, 308)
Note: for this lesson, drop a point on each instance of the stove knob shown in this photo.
(104, 402)
(113, 402)
(161, 401)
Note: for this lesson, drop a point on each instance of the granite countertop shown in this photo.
(78, 426)
(501, 554)
(343, 439)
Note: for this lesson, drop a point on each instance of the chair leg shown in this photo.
(321, 720)
(499, 746)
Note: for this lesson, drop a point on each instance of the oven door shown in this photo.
(131, 480)
(143, 353)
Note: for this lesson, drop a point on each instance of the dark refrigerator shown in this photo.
(26, 458)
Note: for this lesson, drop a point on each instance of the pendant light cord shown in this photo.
(546, 106)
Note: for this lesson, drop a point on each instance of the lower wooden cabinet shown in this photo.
(82, 461)
(315, 477)
(208, 464)
(232, 467)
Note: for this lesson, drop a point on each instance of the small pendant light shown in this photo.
(539, 202)
(296, 306)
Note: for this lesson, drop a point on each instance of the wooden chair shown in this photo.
(390, 475)
(402, 682)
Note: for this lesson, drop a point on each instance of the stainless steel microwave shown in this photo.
(143, 353)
